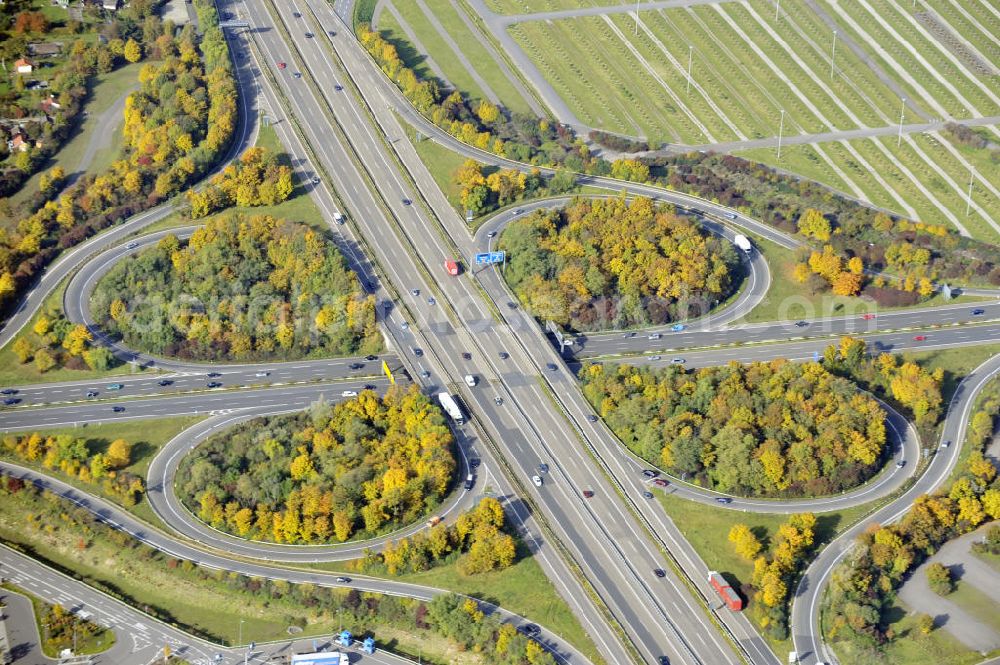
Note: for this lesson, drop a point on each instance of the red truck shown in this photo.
(726, 592)
(452, 267)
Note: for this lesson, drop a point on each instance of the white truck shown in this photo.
(470, 380)
(451, 407)
(743, 243)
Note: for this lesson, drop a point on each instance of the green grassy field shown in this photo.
(146, 437)
(469, 45)
(747, 68)
(992, 559)
(524, 589)
(298, 208)
(977, 603)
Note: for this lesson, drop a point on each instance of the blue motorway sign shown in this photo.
(487, 258)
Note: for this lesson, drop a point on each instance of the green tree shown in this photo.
(44, 360)
(939, 579)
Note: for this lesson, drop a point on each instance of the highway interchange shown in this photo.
(617, 538)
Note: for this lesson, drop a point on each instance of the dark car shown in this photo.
(543, 468)
(659, 572)
(338, 87)
(529, 629)
(214, 384)
(309, 35)
(91, 393)
(466, 356)
(588, 494)
(551, 367)
(591, 418)
(647, 495)
(978, 312)
(801, 324)
(724, 499)
(369, 387)
(344, 580)
(11, 401)
(118, 409)
(371, 358)
(332, 33)
(297, 75)
(165, 382)
(8, 391)
(664, 660)
(504, 355)
(474, 463)
(356, 365)
(407, 202)
(418, 352)
(660, 482)
(297, 14)
(512, 305)
(212, 375)
(649, 473)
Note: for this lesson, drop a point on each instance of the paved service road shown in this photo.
(18, 618)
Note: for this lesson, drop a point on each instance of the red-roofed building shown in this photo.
(24, 66)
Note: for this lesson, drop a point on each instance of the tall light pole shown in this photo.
(899, 135)
(781, 130)
(777, 8)
(690, 60)
(637, 18)
(968, 201)
(833, 52)
(240, 641)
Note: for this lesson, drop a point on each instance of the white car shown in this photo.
(537, 480)
(349, 393)
(262, 374)
(470, 380)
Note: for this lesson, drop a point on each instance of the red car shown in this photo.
(660, 482)
(587, 494)
(281, 65)
(919, 338)
(868, 317)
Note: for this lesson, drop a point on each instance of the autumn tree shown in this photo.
(812, 223)
(119, 454)
(939, 578)
(744, 541)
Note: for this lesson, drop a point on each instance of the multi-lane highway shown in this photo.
(527, 407)
(602, 533)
